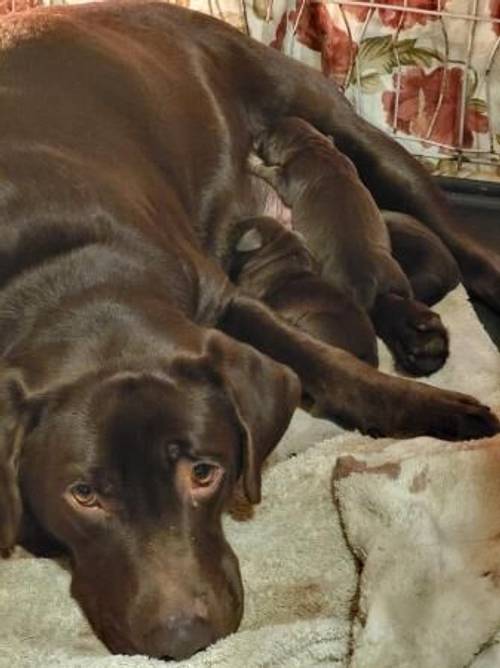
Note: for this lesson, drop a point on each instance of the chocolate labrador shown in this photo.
(347, 233)
(138, 383)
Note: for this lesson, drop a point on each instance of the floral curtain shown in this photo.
(425, 71)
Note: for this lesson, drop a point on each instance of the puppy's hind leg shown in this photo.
(315, 307)
(428, 264)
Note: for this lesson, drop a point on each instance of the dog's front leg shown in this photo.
(351, 392)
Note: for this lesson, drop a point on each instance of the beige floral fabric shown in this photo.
(425, 71)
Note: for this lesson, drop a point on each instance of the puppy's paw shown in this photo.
(254, 162)
(416, 337)
(421, 341)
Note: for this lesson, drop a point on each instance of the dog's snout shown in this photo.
(179, 637)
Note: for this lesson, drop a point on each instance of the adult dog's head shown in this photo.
(130, 470)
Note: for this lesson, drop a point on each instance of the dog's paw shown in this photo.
(419, 409)
(459, 417)
(416, 337)
(400, 408)
(421, 341)
(382, 405)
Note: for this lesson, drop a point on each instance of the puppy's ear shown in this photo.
(250, 241)
(16, 417)
(264, 395)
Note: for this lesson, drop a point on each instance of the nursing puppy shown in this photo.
(347, 234)
(329, 203)
(272, 263)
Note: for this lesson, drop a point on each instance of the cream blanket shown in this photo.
(425, 525)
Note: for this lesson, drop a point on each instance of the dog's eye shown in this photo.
(84, 494)
(204, 474)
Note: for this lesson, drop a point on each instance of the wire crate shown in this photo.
(426, 71)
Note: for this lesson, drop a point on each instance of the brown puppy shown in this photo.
(348, 235)
(407, 324)
(138, 383)
(329, 203)
(272, 263)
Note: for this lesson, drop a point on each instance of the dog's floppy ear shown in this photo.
(16, 413)
(264, 395)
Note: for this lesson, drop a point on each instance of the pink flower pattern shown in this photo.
(392, 18)
(9, 6)
(495, 14)
(420, 106)
(317, 30)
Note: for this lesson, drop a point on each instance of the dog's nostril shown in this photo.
(180, 638)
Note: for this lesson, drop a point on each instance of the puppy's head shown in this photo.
(265, 254)
(286, 138)
(130, 471)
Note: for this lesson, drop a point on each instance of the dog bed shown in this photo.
(364, 553)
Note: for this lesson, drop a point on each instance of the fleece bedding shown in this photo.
(363, 553)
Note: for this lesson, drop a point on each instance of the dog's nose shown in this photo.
(180, 637)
